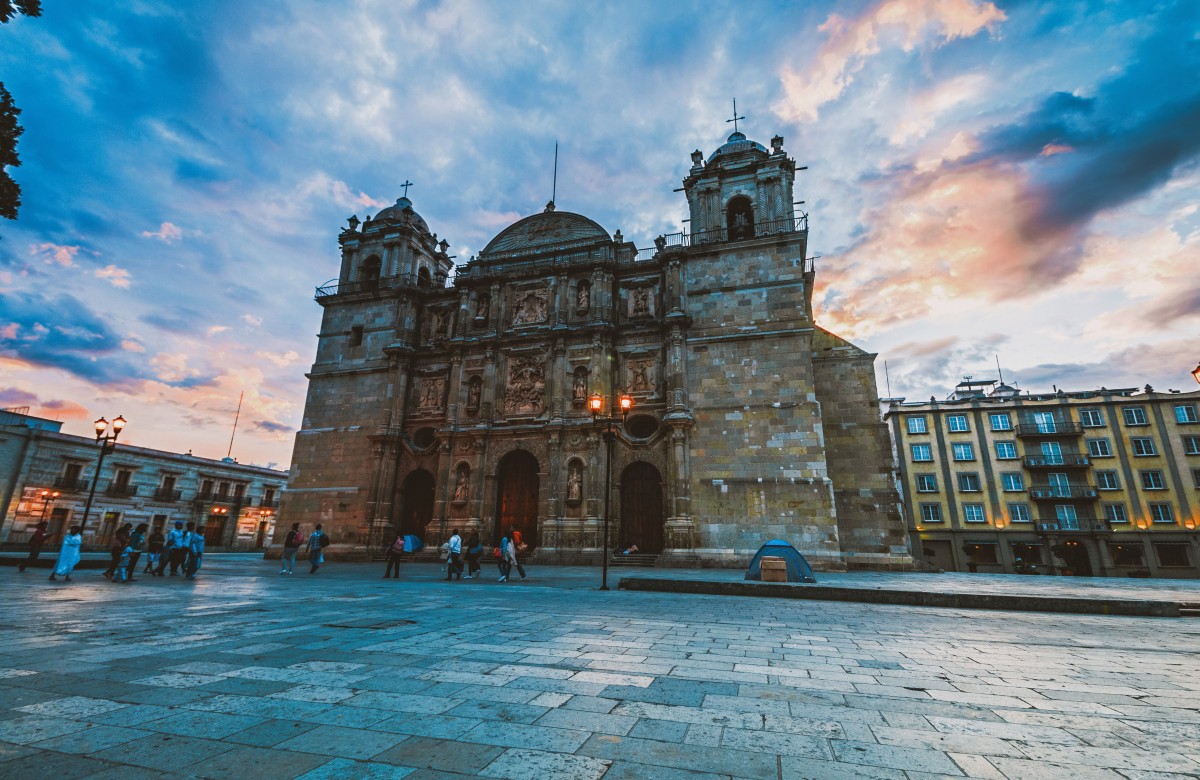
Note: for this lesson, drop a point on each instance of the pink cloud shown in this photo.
(167, 233)
(1049, 150)
(55, 253)
(849, 43)
(117, 277)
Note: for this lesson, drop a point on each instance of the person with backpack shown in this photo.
(175, 550)
(195, 553)
(472, 555)
(137, 541)
(318, 540)
(394, 551)
(291, 546)
(117, 549)
(516, 546)
(154, 548)
(454, 565)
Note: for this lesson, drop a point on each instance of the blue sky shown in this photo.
(1012, 178)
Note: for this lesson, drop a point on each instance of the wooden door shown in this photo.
(517, 496)
(416, 503)
(642, 517)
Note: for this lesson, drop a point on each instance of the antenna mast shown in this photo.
(998, 371)
(236, 417)
(887, 379)
(554, 187)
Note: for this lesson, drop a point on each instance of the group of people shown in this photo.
(459, 558)
(316, 542)
(182, 549)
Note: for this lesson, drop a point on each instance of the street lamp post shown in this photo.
(47, 496)
(108, 443)
(596, 405)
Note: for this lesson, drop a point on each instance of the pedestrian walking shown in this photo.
(175, 551)
(137, 543)
(318, 540)
(195, 553)
(502, 560)
(394, 551)
(291, 546)
(516, 547)
(473, 554)
(121, 573)
(68, 556)
(36, 542)
(154, 548)
(117, 548)
(454, 567)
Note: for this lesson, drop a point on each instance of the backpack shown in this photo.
(495, 552)
(398, 545)
(325, 541)
(299, 540)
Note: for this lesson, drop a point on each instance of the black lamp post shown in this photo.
(596, 405)
(108, 443)
(47, 496)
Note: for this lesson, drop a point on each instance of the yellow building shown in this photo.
(1097, 483)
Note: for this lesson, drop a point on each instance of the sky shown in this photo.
(1012, 179)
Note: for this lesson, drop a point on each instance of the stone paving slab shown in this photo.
(549, 678)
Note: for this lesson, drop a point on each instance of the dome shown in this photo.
(402, 213)
(736, 144)
(548, 228)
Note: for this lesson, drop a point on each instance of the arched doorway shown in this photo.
(517, 496)
(416, 503)
(642, 516)
(1075, 555)
(739, 218)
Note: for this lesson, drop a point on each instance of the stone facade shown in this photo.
(436, 405)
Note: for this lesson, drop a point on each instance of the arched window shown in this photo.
(739, 218)
(369, 273)
(424, 281)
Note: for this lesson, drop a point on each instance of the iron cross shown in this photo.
(735, 116)
(408, 183)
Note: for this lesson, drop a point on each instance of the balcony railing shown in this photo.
(219, 498)
(334, 287)
(1051, 428)
(722, 234)
(117, 489)
(269, 503)
(1062, 491)
(167, 494)
(1080, 524)
(1056, 461)
(72, 485)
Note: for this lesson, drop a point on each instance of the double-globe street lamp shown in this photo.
(596, 404)
(108, 443)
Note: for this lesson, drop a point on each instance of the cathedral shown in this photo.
(463, 398)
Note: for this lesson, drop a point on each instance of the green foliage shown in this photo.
(10, 191)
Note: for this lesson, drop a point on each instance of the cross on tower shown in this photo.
(408, 184)
(735, 116)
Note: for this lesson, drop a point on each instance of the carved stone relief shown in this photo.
(640, 302)
(432, 391)
(641, 374)
(529, 306)
(526, 386)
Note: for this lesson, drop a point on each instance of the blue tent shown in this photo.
(798, 569)
(413, 543)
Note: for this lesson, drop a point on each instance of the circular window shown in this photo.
(642, 427)
(423, 437)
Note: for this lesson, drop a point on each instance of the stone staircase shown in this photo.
(642, 560)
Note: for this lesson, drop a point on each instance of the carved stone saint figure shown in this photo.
(431, 393)
(579, 389)
(641, 377)
(473, 395)
(481, 308)
(460, 490)
(526, 383)
(530, 307)
(641, 302)
(583, 297)
(574, 484)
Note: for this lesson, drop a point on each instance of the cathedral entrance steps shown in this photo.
(642, 560)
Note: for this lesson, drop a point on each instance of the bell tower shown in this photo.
(742, 191)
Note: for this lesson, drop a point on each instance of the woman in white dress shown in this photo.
(68, 556)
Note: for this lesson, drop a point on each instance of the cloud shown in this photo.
(272, 427)
(117, 277)
(56, 409)
(172, 367)
(252, 319)
(180, 320)
(132, 345)
(321, 185)
(167, 233)
(55, 253)
(215, 329)
(849, 43)
(279, 360)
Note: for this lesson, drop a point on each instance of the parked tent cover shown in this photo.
(798, 569)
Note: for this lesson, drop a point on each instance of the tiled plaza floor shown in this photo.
(246, 674)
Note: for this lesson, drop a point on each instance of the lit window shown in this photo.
(1019, 513)
(1006, 450)
(1013, 481)
(1143, 447)
(1134, 415)
(916, 424)
(1162, 513)
(1153, 480)
(968, 483)
(926, 483)
(1115, 513)
(1001, 421)
(964, 452)
(1099, 448)
(1185, 413)
(1091, 418)
(1107, 480)
(931, 513)
(922, 453)
(973, 513)
(957, 423)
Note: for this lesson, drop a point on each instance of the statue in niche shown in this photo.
(473, 394)
(481, 307)
(526, 384)
(434, 326)
(575, 484)
(641, 302)
(583, 296)
(431, 393)
(461, 489)
(579, 388)
(530, 308)
(641, 377)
